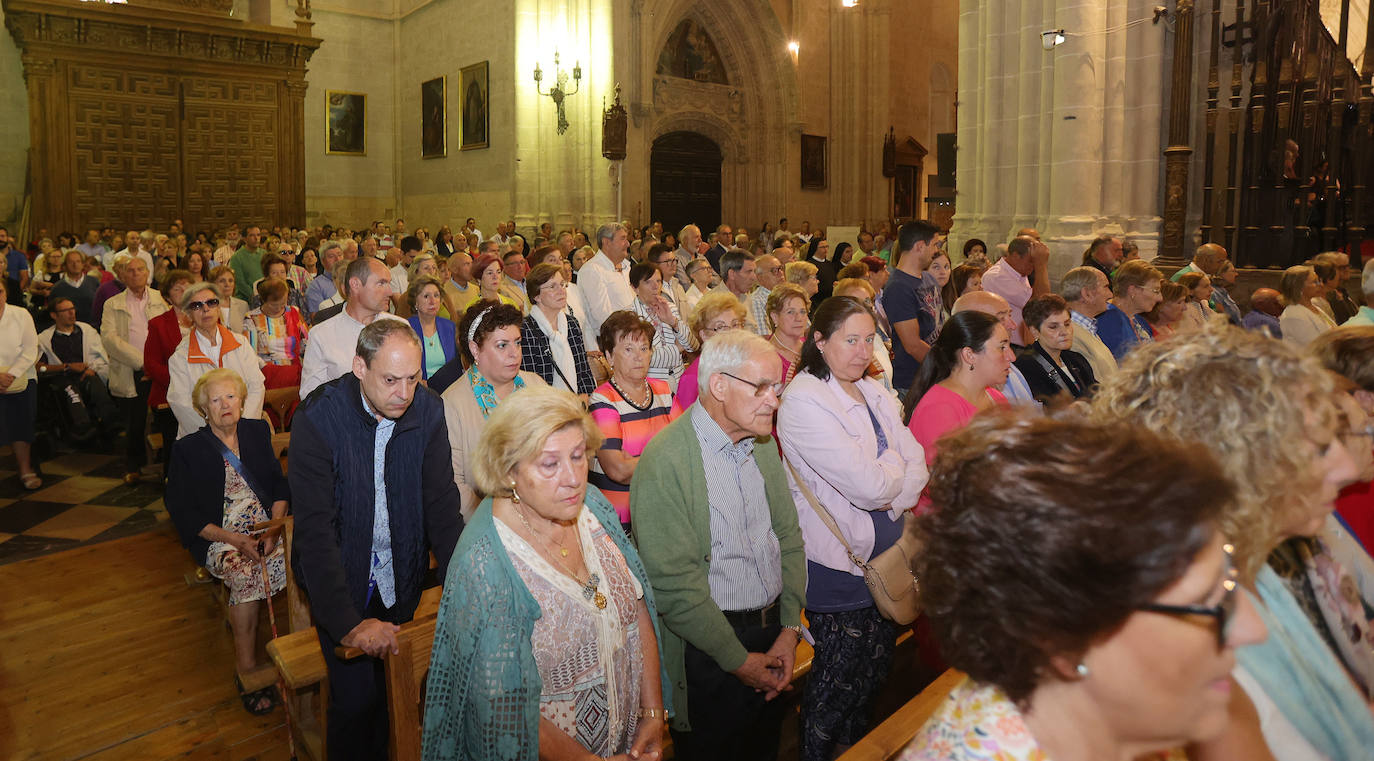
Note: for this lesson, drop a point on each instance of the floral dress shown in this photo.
(589, 658)
(242, 574)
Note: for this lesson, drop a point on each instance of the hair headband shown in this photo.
(472, 331)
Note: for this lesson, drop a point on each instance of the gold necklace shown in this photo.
(589, 587)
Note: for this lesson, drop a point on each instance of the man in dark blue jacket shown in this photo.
(370, 461)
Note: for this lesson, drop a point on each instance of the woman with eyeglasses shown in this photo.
(1077, 574)
(842, 434)
(553, 345)
(208, 346)
(715, 313)
(1304, 692)
(1135, 292)
(700, 273)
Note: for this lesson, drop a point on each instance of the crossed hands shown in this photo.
(771, 672)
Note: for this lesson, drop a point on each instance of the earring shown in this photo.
(514, 495)
(970, 368)
(1082, 670)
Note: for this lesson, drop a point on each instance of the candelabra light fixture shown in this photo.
(559, 91)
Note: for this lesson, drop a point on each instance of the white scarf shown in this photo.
(559, 349)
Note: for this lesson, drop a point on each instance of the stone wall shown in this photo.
(1069, 140)
(14, 130)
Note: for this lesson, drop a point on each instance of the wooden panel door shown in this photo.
(684, 181)
(230, 152)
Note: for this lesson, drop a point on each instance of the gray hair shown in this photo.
(188, 295)
(1077, 280)
(726, 353)
(683, 232)
(733, 261)
(606, 232)
(374, 336)
(328, 246)
(1367, 278)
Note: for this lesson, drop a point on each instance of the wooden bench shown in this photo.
(888, 738)
(300, 663)
(405, 672)
(279, 404)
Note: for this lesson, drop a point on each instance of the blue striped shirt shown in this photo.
(745, 571)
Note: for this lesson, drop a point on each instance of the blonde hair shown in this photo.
(798, 272)
(201, 390)
(848, 283)
(711, 306)
(516, 432)
(778, 298)
(1253, 401)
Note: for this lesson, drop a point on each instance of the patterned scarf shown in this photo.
(485, 392)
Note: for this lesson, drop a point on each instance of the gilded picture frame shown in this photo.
(345, 123)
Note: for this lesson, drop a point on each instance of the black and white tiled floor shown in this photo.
(83, 501)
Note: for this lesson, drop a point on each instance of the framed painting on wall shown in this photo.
(813, 162)
(345, 123)
(475, 106)
(904, 193)
(434, 118)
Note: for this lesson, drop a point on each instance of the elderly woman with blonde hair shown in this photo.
(547, 615)
(716, 312)
(1269, 416)
(223, 479)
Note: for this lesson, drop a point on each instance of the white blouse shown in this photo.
(18, 347)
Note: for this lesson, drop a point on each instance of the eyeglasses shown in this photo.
(761, 388)
(1223, 612)
(196, 306)
(554, 285)
(718, 327)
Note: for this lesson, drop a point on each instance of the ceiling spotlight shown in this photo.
(1052, 39)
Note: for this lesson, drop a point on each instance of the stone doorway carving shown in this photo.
(685, 181)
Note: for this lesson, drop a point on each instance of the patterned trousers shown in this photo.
(854, 650)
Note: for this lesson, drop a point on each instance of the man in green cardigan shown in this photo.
(717, 531)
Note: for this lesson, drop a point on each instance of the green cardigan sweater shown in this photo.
(483, 698)
(671, 521)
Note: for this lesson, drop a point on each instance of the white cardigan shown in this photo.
(126, 360)
(18, 347)
(241, 359)
(1301, 325)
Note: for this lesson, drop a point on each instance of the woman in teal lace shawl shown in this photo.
(546, 644)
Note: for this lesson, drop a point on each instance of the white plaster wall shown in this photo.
(358, 55)
(14, 129)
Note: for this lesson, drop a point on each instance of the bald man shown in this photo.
(1265, 307)
(1016, 390)
(1207, 260)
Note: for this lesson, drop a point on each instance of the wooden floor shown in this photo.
(106, 653)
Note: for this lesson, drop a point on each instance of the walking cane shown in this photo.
(272, 617)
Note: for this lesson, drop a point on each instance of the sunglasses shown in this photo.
(1223, 611)
(196, 306)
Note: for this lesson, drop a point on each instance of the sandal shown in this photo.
(259, 702)
(31, 481)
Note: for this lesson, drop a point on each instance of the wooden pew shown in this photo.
(405, 672)
(298, 659)
(889, 737)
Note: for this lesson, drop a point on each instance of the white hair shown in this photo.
(727, 352)
(1367, 278)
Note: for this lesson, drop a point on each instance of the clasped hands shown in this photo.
(771, 672)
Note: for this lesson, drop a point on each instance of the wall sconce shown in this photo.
(794, 48)
(849, 3)
(559, 91)
(1052, 39)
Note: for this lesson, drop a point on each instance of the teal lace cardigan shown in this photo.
(483, 698)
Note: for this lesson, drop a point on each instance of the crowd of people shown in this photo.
(646, 465)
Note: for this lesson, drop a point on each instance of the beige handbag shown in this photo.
(889, 577)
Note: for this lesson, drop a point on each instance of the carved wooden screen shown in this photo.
(139, 115)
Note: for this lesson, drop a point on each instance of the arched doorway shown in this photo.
(684, 181)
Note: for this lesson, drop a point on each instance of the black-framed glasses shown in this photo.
(761, 388)
(1223, 612)
(196, 306)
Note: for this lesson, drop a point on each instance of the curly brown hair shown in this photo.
(1255, 401)
(1083, 524)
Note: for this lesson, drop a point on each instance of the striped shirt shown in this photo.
(745, 571)
(1083, 321)
(666, 362)
(627, 429)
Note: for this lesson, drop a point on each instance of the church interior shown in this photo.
(1168, 130)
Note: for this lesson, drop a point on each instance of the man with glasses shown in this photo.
(73, 360)
(768, 273)
(665, 259)
(717, 530)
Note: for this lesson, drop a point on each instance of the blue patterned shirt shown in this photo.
(382, 576)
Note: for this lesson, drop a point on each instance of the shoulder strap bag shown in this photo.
(895, 589)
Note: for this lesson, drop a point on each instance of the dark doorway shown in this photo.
(684, 181)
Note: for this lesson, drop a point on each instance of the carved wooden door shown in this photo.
(684, 185)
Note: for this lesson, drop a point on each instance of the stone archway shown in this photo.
(684, 181)
(747, 114)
